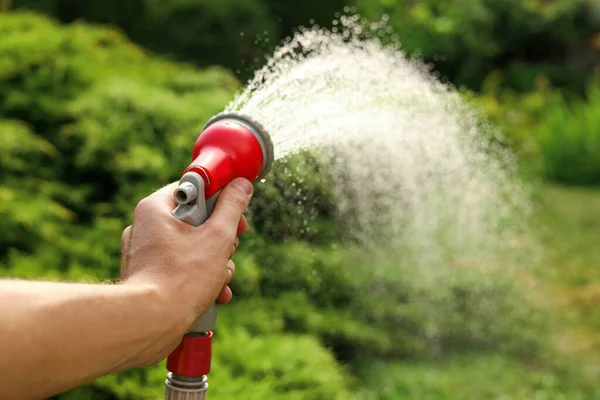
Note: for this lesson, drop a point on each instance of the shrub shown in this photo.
(202, 31)
(375, 305)
(570, 140)
(296, 202)
(466, 39)
(556, 133)
(470, 378)
(90, 126)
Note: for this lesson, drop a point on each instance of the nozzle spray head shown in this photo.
(231, 145)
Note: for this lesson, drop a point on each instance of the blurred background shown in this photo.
(100, 101)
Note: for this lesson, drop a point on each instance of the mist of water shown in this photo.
(412, 164)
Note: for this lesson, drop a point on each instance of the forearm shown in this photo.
(83, 331)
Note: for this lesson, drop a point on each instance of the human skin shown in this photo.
(57, 336)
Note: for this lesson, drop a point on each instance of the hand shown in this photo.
(171, 273)
(190, 266)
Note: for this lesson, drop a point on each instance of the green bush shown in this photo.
(296, 202)
(202, 31)
(374, 305)
(517, 114)
(471, 378)
(554, 132)
(233, 33)
(92, 114)
(570, 140)
(466, 39)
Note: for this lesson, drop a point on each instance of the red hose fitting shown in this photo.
(193, 355)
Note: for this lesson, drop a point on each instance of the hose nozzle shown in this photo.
(185, 193)
(231, 145)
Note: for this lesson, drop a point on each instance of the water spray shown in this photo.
(230, 146)
(410, 163)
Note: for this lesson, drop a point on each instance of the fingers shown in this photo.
(125, 240)
(161, 201)
(230, 271)
(225, 296)
(231, 204)
(125, 245)
(242, 226)
(235, 245)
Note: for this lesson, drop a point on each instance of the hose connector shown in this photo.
(179, 387)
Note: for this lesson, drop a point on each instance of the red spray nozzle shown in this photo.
(230, 146)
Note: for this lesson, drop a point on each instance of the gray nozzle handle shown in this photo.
(194, 209)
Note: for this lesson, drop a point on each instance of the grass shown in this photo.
(567, 282)
(473, 377)
(569, 228)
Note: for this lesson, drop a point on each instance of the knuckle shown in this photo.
(125, 235)
(237, 201)
(142, 206)
(217, 229)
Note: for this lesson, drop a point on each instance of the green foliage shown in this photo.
(297, 201)
(471, 378)
(202, 31)
(367, 306)
(294, 13)
(555, 133)
(570, 140)
(466, 39)
(233, 33)
(206, 31)
(93, 115)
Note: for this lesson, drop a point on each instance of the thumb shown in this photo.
(231, 205)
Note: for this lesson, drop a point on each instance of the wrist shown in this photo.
(158, 312)
(179, 300)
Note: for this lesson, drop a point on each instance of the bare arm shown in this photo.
(56, 336)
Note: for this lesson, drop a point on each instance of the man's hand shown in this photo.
(190, 266)
(56, 336)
